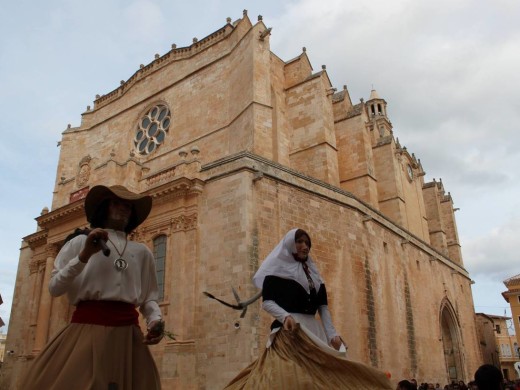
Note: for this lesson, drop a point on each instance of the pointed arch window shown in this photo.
(159, 252)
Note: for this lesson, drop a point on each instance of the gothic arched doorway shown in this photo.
(451, 342)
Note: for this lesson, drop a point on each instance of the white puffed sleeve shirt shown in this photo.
(98, 279)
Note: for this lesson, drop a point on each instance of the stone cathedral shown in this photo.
(237, 146)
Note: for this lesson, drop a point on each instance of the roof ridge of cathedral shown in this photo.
(299, 56)
(339, 96)
(175, 54)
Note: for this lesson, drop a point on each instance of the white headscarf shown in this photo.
(280, 262)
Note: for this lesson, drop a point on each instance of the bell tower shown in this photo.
(377, 114)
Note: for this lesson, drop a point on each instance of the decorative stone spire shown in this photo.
(373, 95)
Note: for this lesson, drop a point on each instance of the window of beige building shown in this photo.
(505, 350)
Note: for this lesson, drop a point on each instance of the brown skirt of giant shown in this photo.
(86, 357)
(294, 361)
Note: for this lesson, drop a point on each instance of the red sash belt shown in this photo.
(107, 313)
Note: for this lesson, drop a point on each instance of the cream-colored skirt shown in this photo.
(299, 360)
(85, 356)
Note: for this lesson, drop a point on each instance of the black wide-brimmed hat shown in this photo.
(141, 204)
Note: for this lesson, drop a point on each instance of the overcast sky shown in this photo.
(448, 70)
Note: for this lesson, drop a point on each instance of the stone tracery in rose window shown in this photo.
(151, 129)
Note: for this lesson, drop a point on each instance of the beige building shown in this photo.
(237, 146)
(2, 323)
(3, 337)
(498, 343)
(512, 296)
(511, 352)
(487, 331)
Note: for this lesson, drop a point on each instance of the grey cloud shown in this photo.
(495, 255)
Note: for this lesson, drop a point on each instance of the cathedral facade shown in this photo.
(237, 146)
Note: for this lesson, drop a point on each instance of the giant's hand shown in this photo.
(155, 332)
(289, 323)
(92, 245)
(336, 342)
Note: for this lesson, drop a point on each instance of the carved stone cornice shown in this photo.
(137, 235)
(184, 222)
(70, 211)
(36, 239)
(177, 188)
(161, 176)
(33, 267)
(52, 250)
(36, 264)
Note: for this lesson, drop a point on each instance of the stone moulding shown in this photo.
(179, 346)
(36, 239)
(70, 211)
(268, 169)
(184, 168)
(161, 176)
(184, 222)
(37, 263)
(180, 187)
(119, 164)
(181, 222)
(177, 188)
(52, 250)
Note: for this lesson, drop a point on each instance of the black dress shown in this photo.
(292, 297)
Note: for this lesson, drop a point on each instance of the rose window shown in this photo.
(152, 129)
